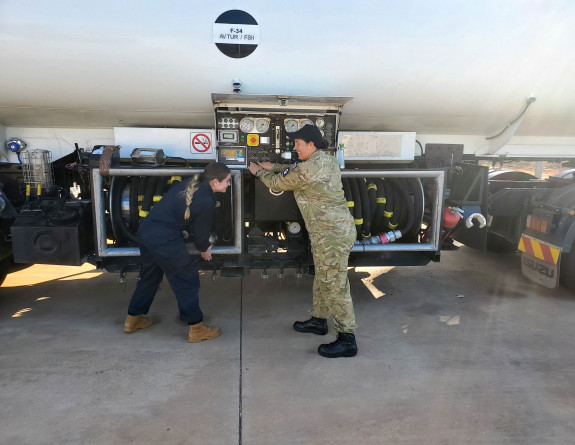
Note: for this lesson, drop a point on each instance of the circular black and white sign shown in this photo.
(236, 33)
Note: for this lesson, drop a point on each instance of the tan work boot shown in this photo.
(199, 332)
(135, 322)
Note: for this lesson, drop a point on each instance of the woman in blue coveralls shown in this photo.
(187, 206)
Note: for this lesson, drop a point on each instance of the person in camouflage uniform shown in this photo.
(316, 183)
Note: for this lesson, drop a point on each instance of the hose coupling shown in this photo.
(382, 238)
(475, 216)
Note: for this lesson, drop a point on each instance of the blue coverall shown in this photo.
(163, 250)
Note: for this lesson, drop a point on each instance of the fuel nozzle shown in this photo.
(382, 238)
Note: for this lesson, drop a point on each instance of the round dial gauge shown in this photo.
(291, 125)
(262, 125)
(305, 122)
(246, 124)
(294, 227)
(319, 122)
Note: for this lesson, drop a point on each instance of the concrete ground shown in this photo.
(465, 351)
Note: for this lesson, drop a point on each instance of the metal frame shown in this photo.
(436, 214)
(104, 251)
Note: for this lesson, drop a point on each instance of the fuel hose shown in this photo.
(149, 192)
(380, 200)
(357, 213)
(365, 212)
(372, 199)
(396, 208)
(388, 213)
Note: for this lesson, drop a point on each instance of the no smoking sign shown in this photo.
(201, 142)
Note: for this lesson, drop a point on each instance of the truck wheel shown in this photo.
(567, 277)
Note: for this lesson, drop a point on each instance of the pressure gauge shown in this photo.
(319, 122)
(305, 122)
(294, 227)
(262, 125)
(291, 125)
(246, 124)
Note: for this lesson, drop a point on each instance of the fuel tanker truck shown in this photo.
(101, 113)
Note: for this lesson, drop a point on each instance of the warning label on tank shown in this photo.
(238, 34)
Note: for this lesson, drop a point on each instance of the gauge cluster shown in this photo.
(255, 137)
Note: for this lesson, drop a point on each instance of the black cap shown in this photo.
(309, 133)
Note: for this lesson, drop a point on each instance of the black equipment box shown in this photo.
(272, 205)
(57, 233)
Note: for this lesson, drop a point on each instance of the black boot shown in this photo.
(343, 346)
(313, 326)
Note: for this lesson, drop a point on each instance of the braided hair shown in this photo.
(214, 170)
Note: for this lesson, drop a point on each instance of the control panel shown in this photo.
(257, 137)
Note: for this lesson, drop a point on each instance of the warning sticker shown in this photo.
(236, 33)
(201, 142)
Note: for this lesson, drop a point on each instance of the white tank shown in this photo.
(436, 67)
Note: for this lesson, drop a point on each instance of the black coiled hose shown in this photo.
(372, 198)
(365, 210)
(389, 205)
(406, 213)
(149, 192)
(356, 212)
(379, 205)
(380, 201)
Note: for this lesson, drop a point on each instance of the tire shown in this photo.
(567, 276)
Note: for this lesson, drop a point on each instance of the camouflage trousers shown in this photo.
(331, 293)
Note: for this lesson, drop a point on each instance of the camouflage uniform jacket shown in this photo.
(318, 191)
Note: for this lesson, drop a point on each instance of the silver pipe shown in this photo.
(134, 251)
(437, 209)
(391, 173)
(412, 247)
(172, 171)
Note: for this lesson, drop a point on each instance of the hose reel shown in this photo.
(378, 205)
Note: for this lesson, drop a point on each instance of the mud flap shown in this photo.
(540, 261)
(540, 271)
